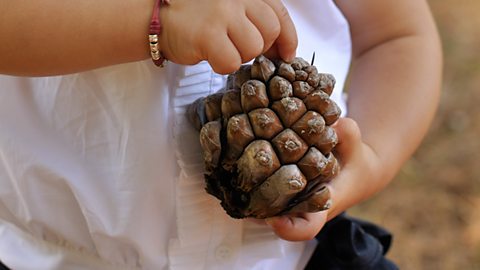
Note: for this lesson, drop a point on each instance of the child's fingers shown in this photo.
(304, 226)
(246, 38)
(266, 21)
(359, 162)
(222, 55)
(349, 137)
(286, 43)
(298, 227)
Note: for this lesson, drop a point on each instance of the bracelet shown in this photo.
(154, 31)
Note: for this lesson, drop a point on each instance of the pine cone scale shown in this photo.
(268, 139)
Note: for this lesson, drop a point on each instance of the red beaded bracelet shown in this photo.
(154, 31)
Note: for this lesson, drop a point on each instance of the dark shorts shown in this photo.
(2, 266)
(347, 243)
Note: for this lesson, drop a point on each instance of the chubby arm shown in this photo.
(394, 86)
(393, 95)
(57, 37)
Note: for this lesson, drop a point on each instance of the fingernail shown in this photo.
(272, 220)
(289, 57)
(327, 205)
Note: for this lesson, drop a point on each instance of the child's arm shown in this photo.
(394, 91)
(57, 37)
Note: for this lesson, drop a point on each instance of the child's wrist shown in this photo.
(155, 30)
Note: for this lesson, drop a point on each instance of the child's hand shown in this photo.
(359, 167)
(226, 33)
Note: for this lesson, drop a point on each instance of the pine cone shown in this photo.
(267, 140)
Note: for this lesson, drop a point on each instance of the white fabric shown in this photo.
(99, 170)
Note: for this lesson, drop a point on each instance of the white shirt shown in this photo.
(100, 170)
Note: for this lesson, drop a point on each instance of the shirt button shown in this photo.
(223, 252)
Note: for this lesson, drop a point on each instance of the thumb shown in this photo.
(349, 136)
(297, 227)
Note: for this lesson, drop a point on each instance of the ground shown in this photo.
(433, 205)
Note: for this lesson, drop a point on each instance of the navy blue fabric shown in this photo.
(347, 243)
(3, 267)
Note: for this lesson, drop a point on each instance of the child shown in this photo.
(98, 168)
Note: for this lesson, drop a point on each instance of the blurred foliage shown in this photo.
(433, 205)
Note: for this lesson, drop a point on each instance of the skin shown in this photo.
(59, 37)
(395, 76)
(394, 92)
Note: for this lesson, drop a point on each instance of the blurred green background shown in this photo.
(433, 205)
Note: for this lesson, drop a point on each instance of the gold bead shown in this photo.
(153, 38)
